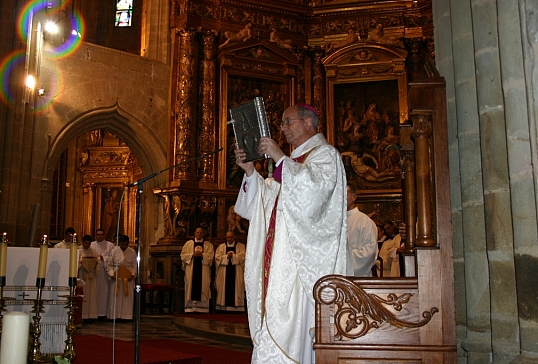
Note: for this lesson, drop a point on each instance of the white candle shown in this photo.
(43, 253)
(3, 255)
(73, 257)
(15, 330)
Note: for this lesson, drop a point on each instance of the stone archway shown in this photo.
(143, 142)
(149, 150)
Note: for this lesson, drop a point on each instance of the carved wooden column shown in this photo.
(421, 131)
(183, 107)
(206, 139)
(88, 206)
(208, 204)
(300, 84)
(318, 84)
(410, 194)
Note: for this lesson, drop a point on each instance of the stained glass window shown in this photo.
(124, 13)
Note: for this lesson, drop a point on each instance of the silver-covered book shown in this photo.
(249, 123)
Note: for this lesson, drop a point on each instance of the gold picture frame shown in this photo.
(252, 69)
(367, 103)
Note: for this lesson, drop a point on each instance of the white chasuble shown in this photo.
(310, 242)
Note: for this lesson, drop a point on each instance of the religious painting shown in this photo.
(110, 198)
(382, 210)
(276, 98)
(366, 126)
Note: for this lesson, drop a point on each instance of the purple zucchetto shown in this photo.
(306, 106)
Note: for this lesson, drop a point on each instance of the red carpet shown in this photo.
(236, 318)
(91, 349)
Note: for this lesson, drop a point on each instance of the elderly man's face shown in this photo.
(230, 237)
(199, 233)
(297, 132)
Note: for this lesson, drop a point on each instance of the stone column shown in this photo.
(523, 159)
(183, 107)
(155, 38)
(206, 139)
(421, 131)
(475, 336)
(491, 88)
(46, 201)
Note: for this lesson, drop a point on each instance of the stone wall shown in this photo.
(481, 50)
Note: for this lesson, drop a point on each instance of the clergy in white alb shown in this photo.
(87, 271)
(230, 282)
(122, 272)
(197, 257)
(361, 238)
(68, 239)
(103, 248)
(297, 235)
(390, 251)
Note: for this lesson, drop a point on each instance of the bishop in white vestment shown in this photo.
(297, 235)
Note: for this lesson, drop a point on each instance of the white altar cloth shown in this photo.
(21, 274)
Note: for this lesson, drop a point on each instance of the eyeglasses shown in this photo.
(287, 122)
(99, 234)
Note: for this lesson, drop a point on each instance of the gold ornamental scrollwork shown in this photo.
(357, 312)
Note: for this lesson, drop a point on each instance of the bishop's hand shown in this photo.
(270, 147)
(240, 156)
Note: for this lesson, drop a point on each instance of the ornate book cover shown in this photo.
(250, 124)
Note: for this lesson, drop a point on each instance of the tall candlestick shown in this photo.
(42, 267)
(73, 261)
(3, 259)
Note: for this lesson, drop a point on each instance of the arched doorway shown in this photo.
(117, 140)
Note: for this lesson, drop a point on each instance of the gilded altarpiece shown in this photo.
(106, 170)
(366, 105)
(255, 68)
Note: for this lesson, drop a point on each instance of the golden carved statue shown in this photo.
(241, 36)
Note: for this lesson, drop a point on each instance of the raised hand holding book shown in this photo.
(249, 123)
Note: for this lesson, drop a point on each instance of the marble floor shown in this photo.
(198, 331)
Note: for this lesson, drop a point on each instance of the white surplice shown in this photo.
(390, 256)
(187, 264)
(362, 242)
(121, 292)
(89, 302)
(221, 262)
(103, 248)
(309, 243)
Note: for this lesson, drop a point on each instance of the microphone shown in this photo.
(143, 179)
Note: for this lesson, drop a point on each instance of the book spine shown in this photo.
(262, 118)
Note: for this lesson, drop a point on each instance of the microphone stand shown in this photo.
(138, 286)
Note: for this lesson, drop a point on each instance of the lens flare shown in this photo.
(73, 41)
(7, 68)
(25, 17)
(74, 34)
